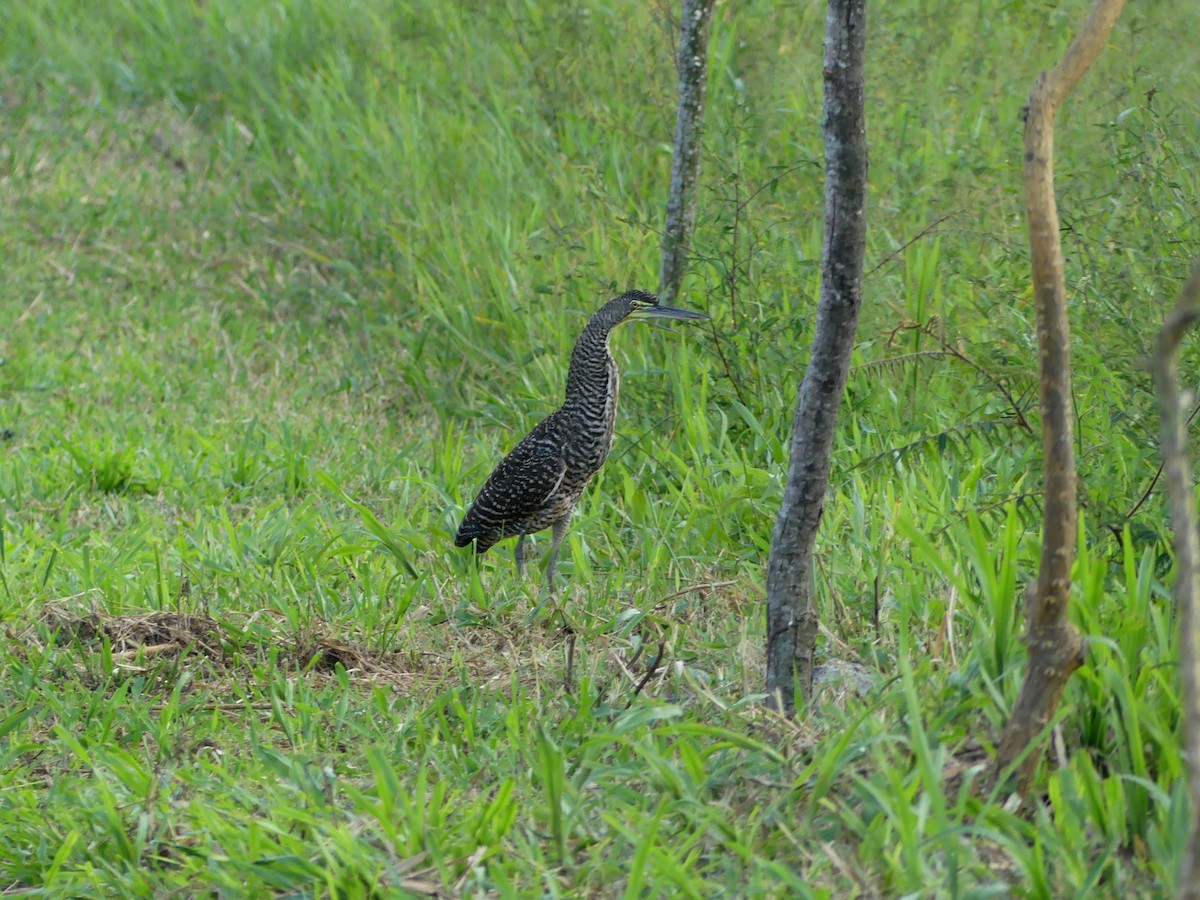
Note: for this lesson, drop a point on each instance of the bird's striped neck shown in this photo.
(591, 376)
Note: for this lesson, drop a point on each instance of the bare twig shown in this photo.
(929, 229)
(717, 342)
(692, 589)
(995, 382)
(569, 677)
(650, 670)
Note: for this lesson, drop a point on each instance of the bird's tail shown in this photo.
(473, 531)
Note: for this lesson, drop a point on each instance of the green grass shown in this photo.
(282, 282)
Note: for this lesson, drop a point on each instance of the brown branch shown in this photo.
(1056, 648)
(1182, 502)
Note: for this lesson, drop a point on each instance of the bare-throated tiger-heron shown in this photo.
(538, 484)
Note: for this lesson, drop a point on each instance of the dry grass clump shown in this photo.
(138, 639)
(150, 633)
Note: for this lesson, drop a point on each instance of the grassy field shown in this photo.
(281, 282)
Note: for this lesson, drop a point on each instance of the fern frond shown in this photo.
(893, 363)
(994, 431)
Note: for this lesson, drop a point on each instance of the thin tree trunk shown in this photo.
(1182, 501)
(1056, 648)
(692, 62)
(791, 607)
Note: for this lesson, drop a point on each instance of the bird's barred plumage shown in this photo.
(538, 484)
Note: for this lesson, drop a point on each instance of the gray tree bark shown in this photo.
(692, 62)
(1181, 499)
(1056, 648)
(791, 606)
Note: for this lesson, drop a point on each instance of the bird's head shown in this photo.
(641, 305)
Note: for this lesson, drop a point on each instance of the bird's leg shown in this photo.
(519, 553)
(560, 531)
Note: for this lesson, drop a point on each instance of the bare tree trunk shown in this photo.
(791, 607)
(695, 19)
(1056, 648)
(1182, 501)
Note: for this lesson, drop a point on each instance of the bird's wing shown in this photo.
(517, 489)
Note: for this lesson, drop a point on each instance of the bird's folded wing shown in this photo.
(521, 484)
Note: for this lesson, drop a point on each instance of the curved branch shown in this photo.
(1056, 648)
(1182, 502)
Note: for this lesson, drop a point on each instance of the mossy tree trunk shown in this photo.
(791, 606)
